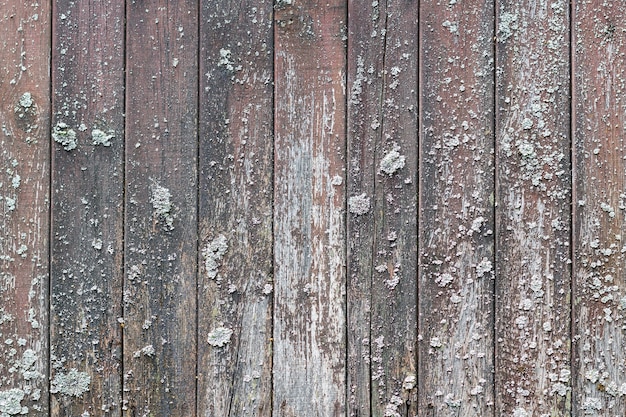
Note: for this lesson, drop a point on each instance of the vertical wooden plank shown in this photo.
(599, 205)
(236, 162)
(87, 208)
(533, 214)
(24, 206)
(365, 53)
(456, 209)
(382, 229)
(309, 233)
(161, 208)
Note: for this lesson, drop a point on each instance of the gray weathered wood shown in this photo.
(533, 214)
(599, 203)
(235, 283)
(382, 240)
(161, 209)
(87, 207)
(24, 205)
(456, 209)
(309, 227)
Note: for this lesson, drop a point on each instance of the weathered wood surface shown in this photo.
(309, 198)
(87, 207)
(382, 210)
(456, 220)
(161, 208)
(24, 206)
(533, 216)
(599, 203)
(312, 208)
(235, 283)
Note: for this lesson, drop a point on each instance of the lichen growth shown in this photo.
(227, 62)
(392, 162)
(219, 337)
(483, 267)
(26, 100)
(100, 137)
(73, 384)
(145, 351)
(508, 24)
(10, 402)
(66, 136)
(213, 253)
(359, 204)
(409, 382)
(162, 204)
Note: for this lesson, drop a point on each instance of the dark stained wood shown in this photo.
(382, 239)
(599, 203)
(533, 214)
(363, 105)
(87, 207)
(235, 283)
(161, 209)
(309, 197)
(456, 209)
(24, 204)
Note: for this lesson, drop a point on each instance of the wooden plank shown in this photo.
(382, 229)
(309, 226)
(24, 206)
(236, 161)
(533, 214)
(363, 104)
(161, 208)
(599, 204)
(87, 207)
(456, 209)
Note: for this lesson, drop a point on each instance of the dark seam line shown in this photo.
(495, 120)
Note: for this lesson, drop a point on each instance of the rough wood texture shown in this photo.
(161, 216)
(87, 206)
(24, 205)
(235, 282)
(599, 204)
(309, 228)
(382, 240)
(364, 101)
(456, 209)
(533, 214)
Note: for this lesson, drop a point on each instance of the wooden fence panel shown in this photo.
(533, 215)
(599, 203)
(161, 208)
(456, 209)
(24, 206)
(309, 197)
(87, 207)
(235, 283)
(382, 204)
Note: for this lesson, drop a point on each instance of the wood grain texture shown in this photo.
(161, 209)
(235, 281)
(365, 90)
(599, 204)
(309, 218)
(87, 206)
(382, 204)
(533, 214)
(456, 209)
(24, 204)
